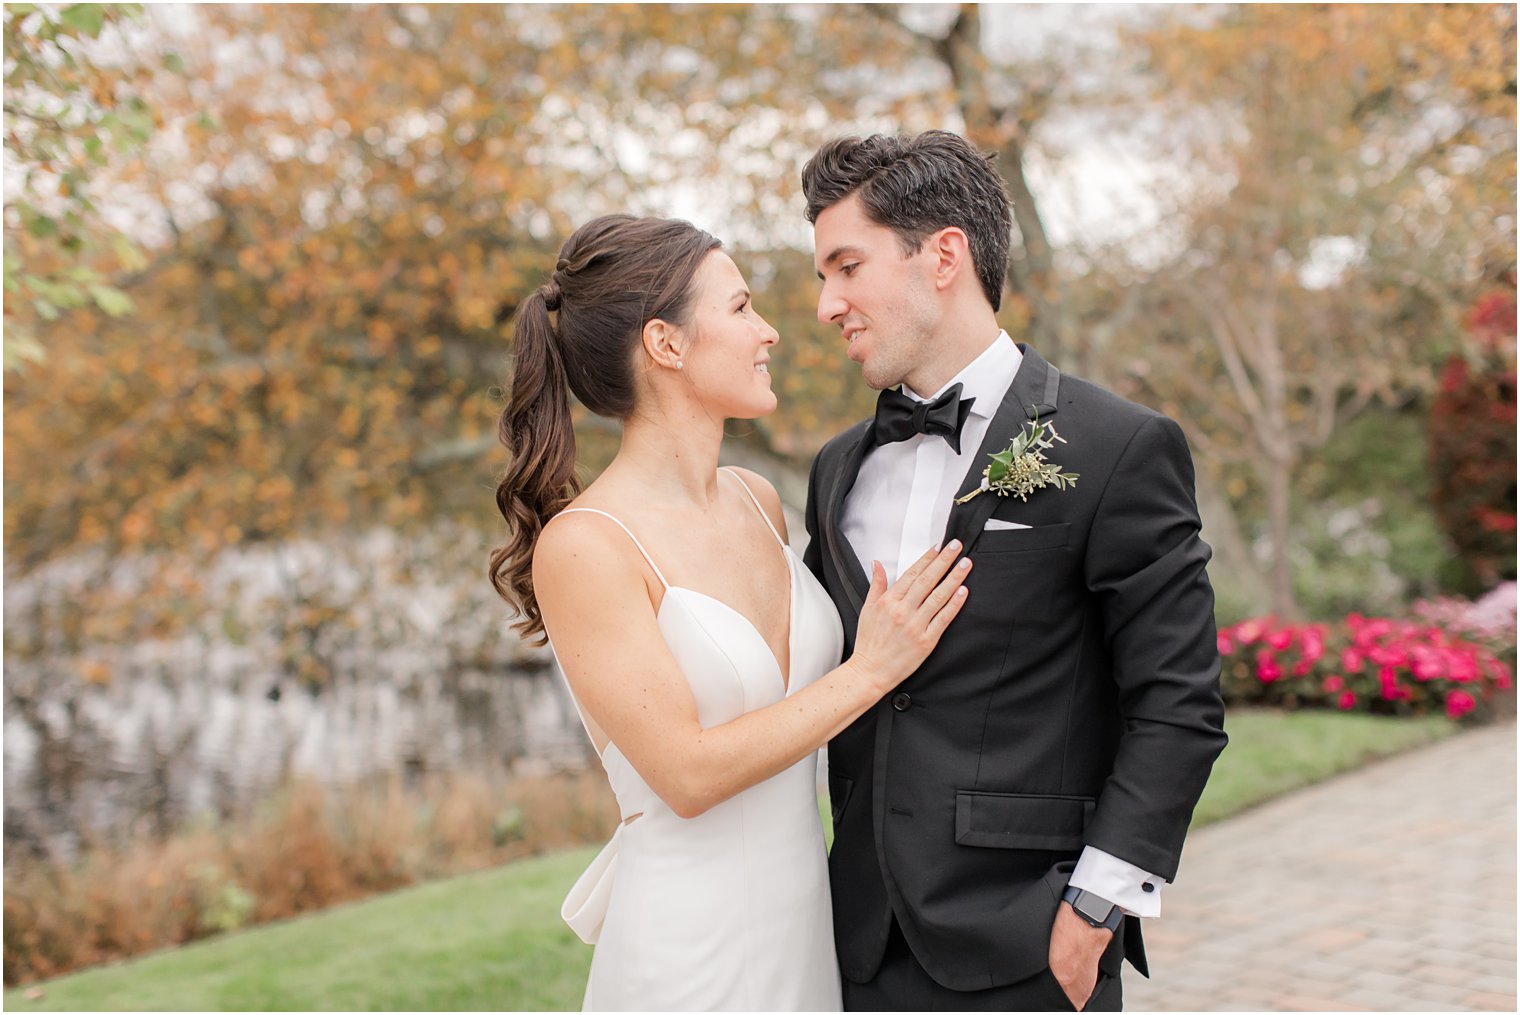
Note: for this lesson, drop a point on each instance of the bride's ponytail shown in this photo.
(536, 428)
(615, 274)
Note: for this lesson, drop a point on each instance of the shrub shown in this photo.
(1472, 445)
(1371, 664)
(1490, 621)
(308, 847)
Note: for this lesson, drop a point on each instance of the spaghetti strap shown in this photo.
(647, 558)
(758, 508)
(585, 722)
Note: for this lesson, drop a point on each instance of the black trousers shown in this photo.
(901, 984)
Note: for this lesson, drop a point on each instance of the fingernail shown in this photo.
(965, 563)
(955, 544)
(961, 591)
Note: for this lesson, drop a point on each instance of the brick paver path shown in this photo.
(1391, 888)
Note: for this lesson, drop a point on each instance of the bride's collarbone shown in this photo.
(728, 566)
(745, 571)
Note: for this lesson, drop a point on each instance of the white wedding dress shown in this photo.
(728, 910)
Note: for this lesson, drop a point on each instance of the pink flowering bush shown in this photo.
(1372, 664)
(1489, 621)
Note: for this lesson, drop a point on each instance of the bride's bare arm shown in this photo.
(591, 586)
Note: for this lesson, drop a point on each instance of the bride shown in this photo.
(703, 657)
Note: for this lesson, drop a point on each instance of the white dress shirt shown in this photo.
(899, 507)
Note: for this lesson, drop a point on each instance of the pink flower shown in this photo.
(1389, 680)
(1313, 641)
(1334, 683)
(1267, 669)
(1302, 668)
(1427, 663)
(1226, 645)
(1459, 703)
(1249, 630)
(1280, 640)
(1462, 667)
(1351, 661)
(1347, 702)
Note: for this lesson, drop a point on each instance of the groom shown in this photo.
(1005, 819)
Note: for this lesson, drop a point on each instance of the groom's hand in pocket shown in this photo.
(1075, 947)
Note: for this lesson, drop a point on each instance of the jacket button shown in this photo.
(902, 701)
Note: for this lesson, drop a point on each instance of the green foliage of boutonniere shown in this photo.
(1020, 469)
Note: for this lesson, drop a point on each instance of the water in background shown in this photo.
(411, 669)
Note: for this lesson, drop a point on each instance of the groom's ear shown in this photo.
(951, 251)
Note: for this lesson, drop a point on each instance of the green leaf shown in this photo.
(112, 300)
(40, 226)
(126, 251)
(45, 310)
(57, 293)
(88, 19)
(20, 347)
(174, 63)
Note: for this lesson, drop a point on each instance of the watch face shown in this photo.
(1092, 907)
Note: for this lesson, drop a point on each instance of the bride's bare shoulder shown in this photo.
(581, 544)
(766, 494)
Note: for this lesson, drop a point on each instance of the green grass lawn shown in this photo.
(494, 940)
(1271, 753)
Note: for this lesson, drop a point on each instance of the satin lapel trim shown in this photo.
(856, 582)
(1032, 395)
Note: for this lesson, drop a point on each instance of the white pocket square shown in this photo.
(994, 524)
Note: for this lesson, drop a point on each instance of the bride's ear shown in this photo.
(663, 344)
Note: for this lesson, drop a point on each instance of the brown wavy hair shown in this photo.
(615, 274)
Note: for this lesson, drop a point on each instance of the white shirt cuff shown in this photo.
(1136, 891)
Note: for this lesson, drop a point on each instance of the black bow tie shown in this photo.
(899, 417)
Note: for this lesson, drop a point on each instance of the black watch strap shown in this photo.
(1095, 909)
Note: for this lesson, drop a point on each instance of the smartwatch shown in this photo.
(1097, 911)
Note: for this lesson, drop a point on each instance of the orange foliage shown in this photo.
(321, 338)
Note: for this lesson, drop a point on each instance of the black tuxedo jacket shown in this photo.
(1074, 700)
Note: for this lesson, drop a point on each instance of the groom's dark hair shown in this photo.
(915, 185)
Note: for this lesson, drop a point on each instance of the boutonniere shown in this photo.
(1020, 468)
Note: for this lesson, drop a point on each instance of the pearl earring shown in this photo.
(679, 364)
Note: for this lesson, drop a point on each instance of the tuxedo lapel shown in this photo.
(848, 566)
(1032, 395)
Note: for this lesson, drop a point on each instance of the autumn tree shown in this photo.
(343, 212)
(68, 114)
(1353, 168)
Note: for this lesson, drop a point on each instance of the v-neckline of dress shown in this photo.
(791, 619)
